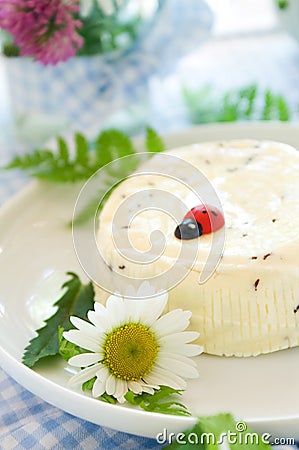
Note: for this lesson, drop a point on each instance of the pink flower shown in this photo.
(44, 29)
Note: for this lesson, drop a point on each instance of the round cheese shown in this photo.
(241, 282)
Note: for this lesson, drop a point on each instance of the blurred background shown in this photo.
(196, 62)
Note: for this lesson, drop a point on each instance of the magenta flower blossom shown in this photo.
(43, 29)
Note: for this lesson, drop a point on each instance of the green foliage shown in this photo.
(245, 104)
(67, 349)
(275, 108)
(112, 144)
(63, 166)
(60, 165)
(108, 399)
(109, 148)
(103, 33)
(77, 300)
(208, 433)
(154, 142)
(88, 385)
(282, 4)
(162, 401)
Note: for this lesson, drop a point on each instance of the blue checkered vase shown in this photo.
(85, 90)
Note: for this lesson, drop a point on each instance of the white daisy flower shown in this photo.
(132, 347)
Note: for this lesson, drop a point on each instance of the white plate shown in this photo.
(35, 253)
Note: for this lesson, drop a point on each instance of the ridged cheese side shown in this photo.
(249, 305)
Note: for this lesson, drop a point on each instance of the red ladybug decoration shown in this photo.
(202, 219)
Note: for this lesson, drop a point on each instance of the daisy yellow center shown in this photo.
(130, 351)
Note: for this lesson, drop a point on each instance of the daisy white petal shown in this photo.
(172, 322)
(135, 387)
(110, 384)
(149, 390)
(100, 317)
(98, 388)
(84, 341)
(103, 374)
(99, 321)
(180, 368)
(180, 338)
(177, 357)
(121, 388)
(185, 349)
(153, 309)
(84, 359)
(145, 290)
(175, 381)
(121, 399)
(115, 309)
(84, 375)
(97, 318)
(163, 377)
(133, 309)
(84, 326)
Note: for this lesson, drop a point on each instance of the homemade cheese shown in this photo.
(250, 302)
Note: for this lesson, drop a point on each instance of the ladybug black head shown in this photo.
(188, 229)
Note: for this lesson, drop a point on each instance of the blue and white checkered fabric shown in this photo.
(27, 422)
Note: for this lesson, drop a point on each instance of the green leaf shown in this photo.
(268, 106)
(88, 385)
(209, 432)
(283, 4)
(31, 160)
(248, 103)
(111, 145)
(283, 109)
(108, 399)
(77, 300)
(63, 153)
(67, 349)
(63, 167)
(153, 142)
(82, 149)
(163, 401)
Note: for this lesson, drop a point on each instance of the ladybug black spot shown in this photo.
(188, 229)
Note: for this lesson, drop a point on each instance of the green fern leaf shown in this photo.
(153, 141)
(82, 149)
(63, 153)
(112, 144)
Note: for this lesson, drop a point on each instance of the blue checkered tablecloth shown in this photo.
(27, 422)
